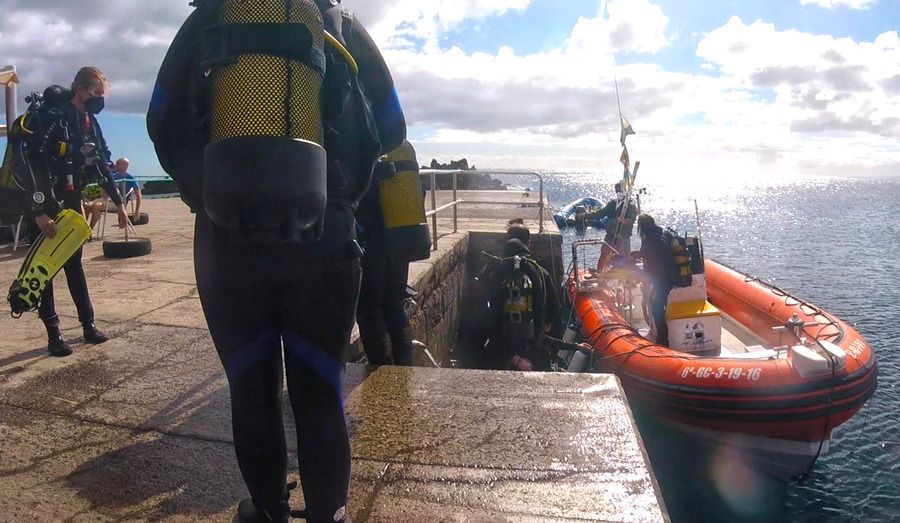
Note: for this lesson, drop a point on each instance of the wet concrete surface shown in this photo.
(138, 428)
(467, 445)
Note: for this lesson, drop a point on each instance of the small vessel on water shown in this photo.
(568, 215)
(747, 363)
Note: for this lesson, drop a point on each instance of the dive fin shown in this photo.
(45, 258)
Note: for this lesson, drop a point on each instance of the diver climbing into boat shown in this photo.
(520, 307)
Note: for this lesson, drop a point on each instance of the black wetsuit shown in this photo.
(268, 303)
(383, 325)
(265, 300)
(501, 346)
(657, 256)
(59, 122)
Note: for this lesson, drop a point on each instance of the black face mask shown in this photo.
(94, 104)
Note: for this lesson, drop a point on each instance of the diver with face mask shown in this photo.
(66, 152)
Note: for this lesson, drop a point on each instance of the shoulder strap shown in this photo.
(223, 43)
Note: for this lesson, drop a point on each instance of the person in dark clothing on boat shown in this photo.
(658, 266)
(619, 214)
(521, 307)
(280, 297)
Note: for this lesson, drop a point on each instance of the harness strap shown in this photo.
(223, 43)
(406, 165)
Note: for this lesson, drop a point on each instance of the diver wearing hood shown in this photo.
(522, 305)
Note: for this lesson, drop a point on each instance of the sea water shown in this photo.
(834, 242)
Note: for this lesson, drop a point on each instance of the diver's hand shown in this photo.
(123, 216)
(46, 225)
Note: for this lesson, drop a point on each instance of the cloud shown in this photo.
(831, 4)
(780, 98)
(637, 26)
(827, 121)
(49, 40)
(419, 23)
(892, 85)
(821, 83)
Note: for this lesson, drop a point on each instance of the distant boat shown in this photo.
(753, 367)
(567, 216)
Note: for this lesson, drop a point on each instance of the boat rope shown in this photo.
(606, 327)
(828, 411)
(859, 433)
(781, 293)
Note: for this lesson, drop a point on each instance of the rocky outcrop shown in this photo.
(471, 180)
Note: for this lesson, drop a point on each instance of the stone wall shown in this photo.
(436, 319)
(441, 281)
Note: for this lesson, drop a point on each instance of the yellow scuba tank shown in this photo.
(517, 321)
(264, 170)
(403, 205)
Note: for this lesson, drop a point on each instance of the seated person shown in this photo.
(128, 186)
(92, 203)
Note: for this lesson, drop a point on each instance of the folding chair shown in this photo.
(16, 229)
(126, 197)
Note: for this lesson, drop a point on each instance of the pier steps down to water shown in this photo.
(138, 428)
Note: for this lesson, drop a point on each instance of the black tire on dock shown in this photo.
(143, 219)
(130, 248)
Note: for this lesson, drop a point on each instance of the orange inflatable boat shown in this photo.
(746, 361)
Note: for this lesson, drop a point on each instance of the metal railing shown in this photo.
(456, 201)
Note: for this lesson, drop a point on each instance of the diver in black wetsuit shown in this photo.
(384, 329)
(61, 166)
(269, 302)
(520, 308)
(658, 266)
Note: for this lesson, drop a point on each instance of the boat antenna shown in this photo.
(628, 176)
(699, 228)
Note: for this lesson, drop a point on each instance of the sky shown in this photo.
(723, 88)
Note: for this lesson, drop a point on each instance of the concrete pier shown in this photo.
(138, 428)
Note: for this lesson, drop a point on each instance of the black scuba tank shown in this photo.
(264, 174)
(680, 257)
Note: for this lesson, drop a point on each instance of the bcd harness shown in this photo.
(523, 296)
(269, 93)
(681, 259)
(42, 134)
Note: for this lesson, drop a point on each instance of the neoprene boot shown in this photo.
(56, 345)
(92, 334)
(401, 345)
(248, 513)
(375, 341)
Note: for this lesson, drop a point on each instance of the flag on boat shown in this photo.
(626, 128)
(624, 158)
